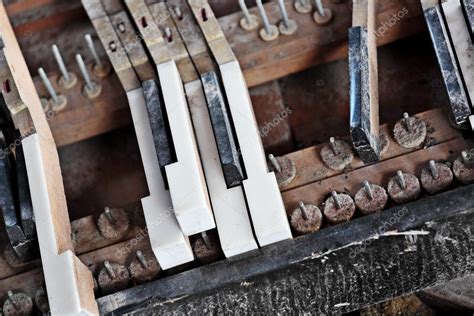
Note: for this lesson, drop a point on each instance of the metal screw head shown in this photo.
(274, 163)
(336, 199)
(304, 211)
(110, 270)
(434, 169)
(401, 180)
(368, 190)
(142, 259)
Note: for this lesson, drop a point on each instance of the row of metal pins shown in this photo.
(69, 79)
(269, 31)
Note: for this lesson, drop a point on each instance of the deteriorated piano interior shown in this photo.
(214, 153)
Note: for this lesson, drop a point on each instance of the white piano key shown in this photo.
(230, 210)
(169, 245)
(185, 177)
(261, 188)
(462, 43)
(60, 266)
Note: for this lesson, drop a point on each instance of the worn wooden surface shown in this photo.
(337, 270)
(311, 44)
(310, 168)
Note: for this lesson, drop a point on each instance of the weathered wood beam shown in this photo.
(396, 254)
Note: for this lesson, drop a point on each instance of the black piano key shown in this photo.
(364, 137)
(221, 125)
(159, 125)
(24, 198)
(459, 101)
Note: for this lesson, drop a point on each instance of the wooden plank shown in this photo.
(311, 44)
(346, 267)
(310, 168)
(380, 173)
(69, 284)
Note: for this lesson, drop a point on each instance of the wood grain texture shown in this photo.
(311, 44)
(310, 168)
(337, 270)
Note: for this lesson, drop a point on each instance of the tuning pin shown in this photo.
(284, 168)
(371, 198)
(410, 132)
(113, 277)
(168, 34)
(144, 268)
(337, 155)
(404, 187)
(322, 15)
(178, 12)
(17, 304)
(113, 223)
(463, 168)
(100, 69)
(67, 79)
(339, 208)
(302, 6)
(269, 32)
(287, 26)
(249, 22)
(437, 177)
(58, 101)
(307, 218)
(206, 248)
(92, 89)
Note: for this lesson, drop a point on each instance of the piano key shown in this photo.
(462, 45)
(185, 177)
(159, 125)
(364, 101)
(228, 204)
(228, 151)
(468, 10)
(168, 242)
(261, 188)
(460, 108)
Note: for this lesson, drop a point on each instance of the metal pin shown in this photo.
(368, 189)
(401, 180)
(121, 27)
(12, 298)
(90, 43)
(109, 215)
(178, 12)
(67, 78)
(168, 34)
(336, 199)
(284, 13)
(142, 259)
(434, 169)
(92, 88)
(332, 142)
(407, 120)
(274, 163)
(206, 240)
(319, 7)
(304, 211)
(109, 269)
(466, 158)
(270, 31)
(287, 26)
(249, 22)
(49, 86)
